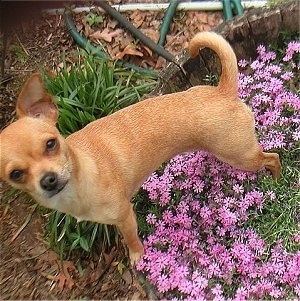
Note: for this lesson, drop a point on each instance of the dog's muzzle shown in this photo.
(52, 184)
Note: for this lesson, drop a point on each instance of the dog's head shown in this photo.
(34, 156)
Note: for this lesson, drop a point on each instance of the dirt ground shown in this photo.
(29, 269)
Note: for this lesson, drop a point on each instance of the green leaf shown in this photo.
(84, 244)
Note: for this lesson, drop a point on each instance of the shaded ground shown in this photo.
(29, 270)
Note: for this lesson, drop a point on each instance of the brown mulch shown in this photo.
(29, 269)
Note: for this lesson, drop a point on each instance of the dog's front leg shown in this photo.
(129, 229)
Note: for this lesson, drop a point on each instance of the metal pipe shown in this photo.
(203, 5)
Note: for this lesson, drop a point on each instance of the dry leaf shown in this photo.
(63, 278)
(127, 277)
(105, 35)
(160, 63)
(129, 50)
(105, 287)
(137, 18)
(151, 33)
(147, 50)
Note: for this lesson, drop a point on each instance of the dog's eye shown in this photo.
(51, 144)
(16, 175)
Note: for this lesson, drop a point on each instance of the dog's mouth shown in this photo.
(60, 187)
(53, 190)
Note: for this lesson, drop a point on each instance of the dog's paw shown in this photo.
(135, 256)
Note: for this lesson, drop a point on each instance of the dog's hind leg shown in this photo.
(271, 162)
(254, 160)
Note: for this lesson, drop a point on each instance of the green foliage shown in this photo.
(143, 206)
(66, 235)
(212, 79)
(12, 192)
(275, 2)
(18, 51)
(280, 217)
(92, 89)
(93, 19)
(280, 44)
(89, 89)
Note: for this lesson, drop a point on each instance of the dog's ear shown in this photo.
(34, 101)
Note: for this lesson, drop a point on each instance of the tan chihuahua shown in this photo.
(94, 173)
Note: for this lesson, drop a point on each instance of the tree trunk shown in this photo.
(244, 33)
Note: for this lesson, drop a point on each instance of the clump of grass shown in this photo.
(279, 218)
(87, 90)
(93, 88)
(18, 51)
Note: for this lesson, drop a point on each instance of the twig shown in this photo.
(23, 47)
(5, 279)
(20, 70)
(3, 53)
(26, 222)
(5, 79)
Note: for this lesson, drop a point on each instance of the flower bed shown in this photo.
(221, 233)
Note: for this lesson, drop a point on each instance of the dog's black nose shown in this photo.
(49, 181)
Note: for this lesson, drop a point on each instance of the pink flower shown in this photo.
(261, 50)
(241, 294)
(292, 48)
(271, 195)
(276, 293)
(217, 290)
(199, 281)
(257, 65)
(200, 245)
(243, 63)
(167, 216)
(227, 217)
(287, 76)
(296, 135)
(297, 290)
(151, 219)
(185, 287)
(239, 189)
(296, 237)
(162, 283)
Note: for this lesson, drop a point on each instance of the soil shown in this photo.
(29, 269)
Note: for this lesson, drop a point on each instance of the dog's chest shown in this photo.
(88, 206)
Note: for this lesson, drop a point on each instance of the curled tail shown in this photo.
(228, 82)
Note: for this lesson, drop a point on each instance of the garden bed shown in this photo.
(244, 33)
(36, 270)
(219, 233)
